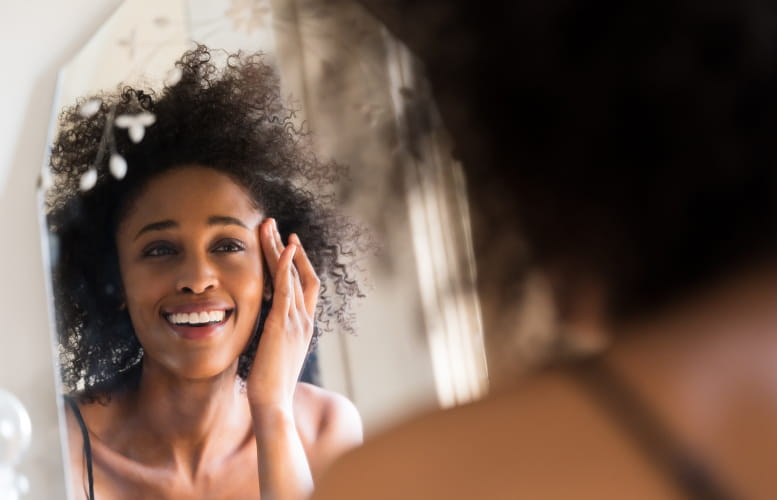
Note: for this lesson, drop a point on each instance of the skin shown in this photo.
(195, 240)
(705, 367)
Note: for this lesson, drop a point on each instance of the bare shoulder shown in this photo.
(328, 406)
(525, 439)
(329, 424)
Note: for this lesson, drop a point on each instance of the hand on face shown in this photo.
(188, 244)
(288, 328)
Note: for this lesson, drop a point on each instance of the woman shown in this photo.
(188, 248)
(622, 166)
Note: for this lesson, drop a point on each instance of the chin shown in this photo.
(203, 368)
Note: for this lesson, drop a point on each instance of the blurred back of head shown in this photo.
(632, 143)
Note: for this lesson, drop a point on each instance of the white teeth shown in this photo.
(196, 318)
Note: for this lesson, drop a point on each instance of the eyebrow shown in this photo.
(157, 226)
(225, 220)
(213, 220)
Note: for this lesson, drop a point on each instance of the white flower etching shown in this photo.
(173, 76)
(88, 180)
(118, 166)
(89, 108)
(136, 124)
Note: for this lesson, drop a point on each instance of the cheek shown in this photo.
(137, 283)
(247, 290)
(142, 289)
(250, 286)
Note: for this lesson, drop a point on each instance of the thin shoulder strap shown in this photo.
(87, 443)
(612, 394)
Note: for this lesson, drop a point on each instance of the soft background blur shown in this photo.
(38, 37)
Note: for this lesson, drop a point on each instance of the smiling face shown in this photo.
(191, 266)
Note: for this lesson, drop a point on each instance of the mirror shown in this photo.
(417, 341)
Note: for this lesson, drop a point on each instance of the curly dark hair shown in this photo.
(628, 142)
(231, 119)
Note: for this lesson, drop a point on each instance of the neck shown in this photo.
(187, 424)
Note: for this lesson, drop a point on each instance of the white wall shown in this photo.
(37, 37)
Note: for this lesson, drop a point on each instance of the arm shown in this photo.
(284, 472)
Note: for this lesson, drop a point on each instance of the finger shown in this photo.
(277, 235)
(308, 278)
(283, 296)
(270, 245)
(299, 296)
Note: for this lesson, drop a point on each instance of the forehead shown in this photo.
(189, 192)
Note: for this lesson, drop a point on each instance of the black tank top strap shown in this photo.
(87, 443)
(613, 395)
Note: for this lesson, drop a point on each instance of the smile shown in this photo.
(198, 318)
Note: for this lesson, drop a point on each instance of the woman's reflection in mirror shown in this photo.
(198, 250)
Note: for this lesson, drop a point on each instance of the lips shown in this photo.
(197, 321)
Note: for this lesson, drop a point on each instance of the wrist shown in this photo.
(271, 415)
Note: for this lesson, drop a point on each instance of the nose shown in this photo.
(196, 275)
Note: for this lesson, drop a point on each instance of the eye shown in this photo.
(229, 246)
(159, 250)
